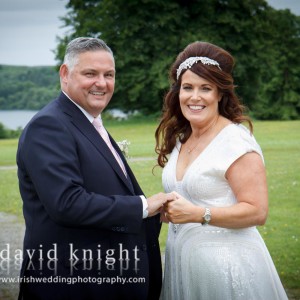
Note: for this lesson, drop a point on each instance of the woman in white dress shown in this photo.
(214, 166)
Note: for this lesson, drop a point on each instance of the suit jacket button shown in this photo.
(144, 247)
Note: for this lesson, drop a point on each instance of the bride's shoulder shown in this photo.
(238, 130)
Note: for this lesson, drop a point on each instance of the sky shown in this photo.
(28, 29)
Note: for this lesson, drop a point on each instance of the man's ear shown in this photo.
(63, 72)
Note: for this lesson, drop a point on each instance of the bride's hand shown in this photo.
(163, 214)
(180, 210)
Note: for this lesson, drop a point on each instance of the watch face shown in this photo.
(207, 218)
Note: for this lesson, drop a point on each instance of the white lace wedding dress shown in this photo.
(204, 262)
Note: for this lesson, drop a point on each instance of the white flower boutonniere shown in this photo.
(123, 145)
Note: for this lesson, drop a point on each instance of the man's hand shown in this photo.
(156, 202)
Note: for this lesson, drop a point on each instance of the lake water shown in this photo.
(12, 119)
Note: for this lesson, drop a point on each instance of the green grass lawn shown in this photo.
(280, 142)
(8, 150)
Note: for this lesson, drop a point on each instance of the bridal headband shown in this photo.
(188, 63)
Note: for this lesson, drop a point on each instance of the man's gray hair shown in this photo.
(81, 45)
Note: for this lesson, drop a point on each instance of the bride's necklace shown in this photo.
(189, 150)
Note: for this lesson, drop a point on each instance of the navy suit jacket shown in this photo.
(83, 216)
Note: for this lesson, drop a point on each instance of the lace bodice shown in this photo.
(204, 181)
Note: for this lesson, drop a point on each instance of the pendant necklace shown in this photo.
(189, 150)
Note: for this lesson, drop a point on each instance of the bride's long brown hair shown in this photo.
(173, 124)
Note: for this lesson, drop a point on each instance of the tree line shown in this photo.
(146, 37)
(27, 87)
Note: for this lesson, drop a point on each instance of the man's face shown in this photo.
(90, 83)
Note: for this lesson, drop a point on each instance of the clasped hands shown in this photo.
(172, 208)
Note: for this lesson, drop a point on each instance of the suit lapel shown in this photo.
(79, 120)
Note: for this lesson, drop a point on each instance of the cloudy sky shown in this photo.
(28, 29)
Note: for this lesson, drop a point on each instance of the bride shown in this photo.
(215, 169)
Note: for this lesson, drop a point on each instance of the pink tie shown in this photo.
(97, 122)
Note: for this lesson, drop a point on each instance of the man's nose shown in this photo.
(100, 81)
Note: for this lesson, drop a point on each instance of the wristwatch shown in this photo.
(206, 216)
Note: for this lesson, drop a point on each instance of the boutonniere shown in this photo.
(124, 147)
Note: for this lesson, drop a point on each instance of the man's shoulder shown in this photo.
(55, 107)
(51, 112)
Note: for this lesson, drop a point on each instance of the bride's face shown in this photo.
(198, 99)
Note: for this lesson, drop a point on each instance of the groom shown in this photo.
(90, 232)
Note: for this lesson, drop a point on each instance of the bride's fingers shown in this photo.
(170, 196)
(177, 196)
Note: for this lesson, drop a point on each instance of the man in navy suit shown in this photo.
(90, 231)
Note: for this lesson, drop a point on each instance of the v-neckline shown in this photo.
(200, 154)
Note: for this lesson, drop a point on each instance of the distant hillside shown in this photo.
(27, 87)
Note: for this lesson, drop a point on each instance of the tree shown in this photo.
(280, 88)
(146, 36)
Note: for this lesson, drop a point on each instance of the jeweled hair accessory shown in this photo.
(188, 63)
